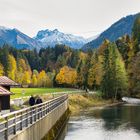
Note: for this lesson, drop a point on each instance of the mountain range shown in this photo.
(17, 39)
(118, 29)
(45, 38)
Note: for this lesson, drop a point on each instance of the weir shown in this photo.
(33, 123)
(131, 100)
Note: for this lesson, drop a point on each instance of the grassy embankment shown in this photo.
(77, 102)
(45, 93)
(137, 96)
(24, 92)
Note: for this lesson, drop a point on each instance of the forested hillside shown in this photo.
(118, 29)
(113, 68)
(33, 68)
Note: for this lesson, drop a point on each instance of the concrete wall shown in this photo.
(38, 130)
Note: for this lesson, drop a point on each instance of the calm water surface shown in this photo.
(112, 123)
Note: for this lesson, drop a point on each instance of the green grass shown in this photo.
(18, 92)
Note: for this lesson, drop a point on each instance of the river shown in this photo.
(120, 122)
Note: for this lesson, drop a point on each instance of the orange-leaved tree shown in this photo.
(66, 76)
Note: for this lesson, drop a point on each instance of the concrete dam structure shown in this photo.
(33, 123)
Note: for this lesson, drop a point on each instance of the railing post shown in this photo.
(27, 118)
(21, 121)
(15, 129)
(6, 131)
(35, 114)
(48, 106)
(41, 111)
(31, 116)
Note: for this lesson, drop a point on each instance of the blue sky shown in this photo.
(80, 17)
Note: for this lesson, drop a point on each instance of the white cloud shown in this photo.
(76, 16)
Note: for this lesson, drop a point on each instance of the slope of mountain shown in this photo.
(17, 39)
(118, 29)
(51, 38)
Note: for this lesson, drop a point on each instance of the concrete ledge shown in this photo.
(55, 132)
(39, 129)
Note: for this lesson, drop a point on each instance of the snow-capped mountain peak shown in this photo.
(53, 37)
(4, 28)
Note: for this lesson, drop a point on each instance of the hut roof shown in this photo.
(5, 81)
(3, 91)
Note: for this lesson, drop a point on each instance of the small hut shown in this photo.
(5, 84)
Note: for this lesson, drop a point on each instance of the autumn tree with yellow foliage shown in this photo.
(24, 73)
(43, 79)
(1, 70)
(67, 76)
(95, 72)
(34, 78)
(12, 67)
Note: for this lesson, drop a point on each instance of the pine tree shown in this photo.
(125, 46)
(135, 75)
(80, 74)
(114, 83)
(136, 33)
(4, 52)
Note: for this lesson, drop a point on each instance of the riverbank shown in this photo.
(78, 103)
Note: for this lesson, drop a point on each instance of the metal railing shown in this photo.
(17, 120)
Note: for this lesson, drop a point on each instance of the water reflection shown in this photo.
(112, 123)
(119, 116)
